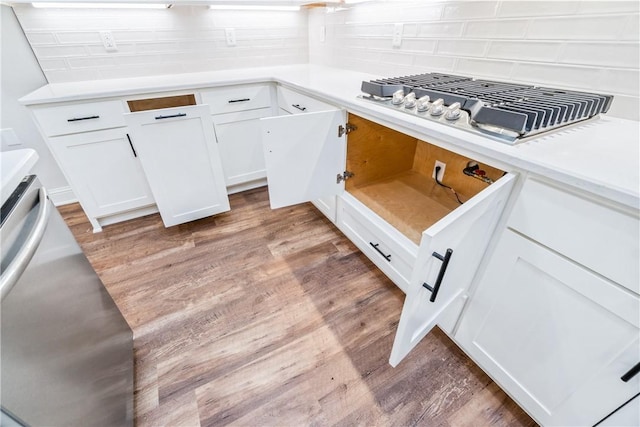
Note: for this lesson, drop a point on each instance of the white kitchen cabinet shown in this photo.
(390, 203)
(181, 160)
(294, 103)
(236, 113)
(449, 255)
(626, 416)
(90, 144)
(240, 144)
(553, 330)
(104, 172)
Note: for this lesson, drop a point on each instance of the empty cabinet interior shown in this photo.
(163, 102)
(393, 176)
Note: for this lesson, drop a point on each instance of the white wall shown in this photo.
(583, 45)
(159, 41)
(20, 74)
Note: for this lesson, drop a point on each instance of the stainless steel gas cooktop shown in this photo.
(508, 112)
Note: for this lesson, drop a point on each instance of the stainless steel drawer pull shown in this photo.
(77, 119)
(375, 246)
(443, 268)
(231, 101)
(631, 373)
(171, 116)
(299, 107)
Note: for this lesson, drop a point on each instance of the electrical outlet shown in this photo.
(397, 35)
(108, 41)
(322, 34)
(443, 166)
(230, 34)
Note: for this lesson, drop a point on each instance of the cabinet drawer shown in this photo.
(74, 118)
(236, 98)
(578, 228)
(296, 103)
(391, 251)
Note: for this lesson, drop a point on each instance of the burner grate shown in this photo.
(519, 108)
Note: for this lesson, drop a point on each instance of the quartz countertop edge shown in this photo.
(14, 166)
(600, 156)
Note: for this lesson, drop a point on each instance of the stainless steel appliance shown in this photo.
(508, 112)
(66, 351)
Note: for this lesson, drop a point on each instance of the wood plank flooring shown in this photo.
(273, 318)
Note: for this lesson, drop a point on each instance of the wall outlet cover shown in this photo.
(230, 35)
(108, 41)
(397, 35)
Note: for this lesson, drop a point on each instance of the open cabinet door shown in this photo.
(440, 279)
(303, 155)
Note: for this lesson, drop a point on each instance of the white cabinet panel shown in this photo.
(390, 251)
(239, 138)
(103, 170)
(303, 155)
(557, 336)
(627, 416)
(83, 117)
(181, 160)
(589, 232)
(236, 98)
(466, 232)
(293, 102)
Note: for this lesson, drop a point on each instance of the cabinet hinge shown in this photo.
(343, 176)
(346, 129)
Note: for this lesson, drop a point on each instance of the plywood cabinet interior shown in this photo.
(392, 175)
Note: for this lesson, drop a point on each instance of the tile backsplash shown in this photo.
(182, 39)
(582, 45)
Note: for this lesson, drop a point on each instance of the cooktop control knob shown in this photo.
(410, 100)
(423, 103)
(453, 113)
(398, 97)
(437, 108)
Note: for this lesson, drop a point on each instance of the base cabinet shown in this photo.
(104, 172)
(555, 335)
(181, 160)
(390, 206)
(240, 145)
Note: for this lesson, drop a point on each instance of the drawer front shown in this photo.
(236, 98)
(599, 237)
(296, 103)
(381, 246)
(75, 118)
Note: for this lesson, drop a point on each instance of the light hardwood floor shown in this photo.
(273, 318)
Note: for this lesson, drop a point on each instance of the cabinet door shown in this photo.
(103, 170)
(239, 138)
(303, 155)
(466, 231)
(181, 160)
(558, 337)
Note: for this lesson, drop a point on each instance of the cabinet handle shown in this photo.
(631, 373)
(443, 268)
(231, 101)
(131, 145)
(387, 257)
(77, 119)
(171, 116)
(299, 107)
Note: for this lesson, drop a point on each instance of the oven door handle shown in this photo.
(12, 273)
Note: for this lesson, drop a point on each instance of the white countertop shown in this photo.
(601, 156)
(15, 165)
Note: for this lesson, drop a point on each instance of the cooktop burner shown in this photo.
(509, 112)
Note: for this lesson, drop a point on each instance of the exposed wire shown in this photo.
(446, 186)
